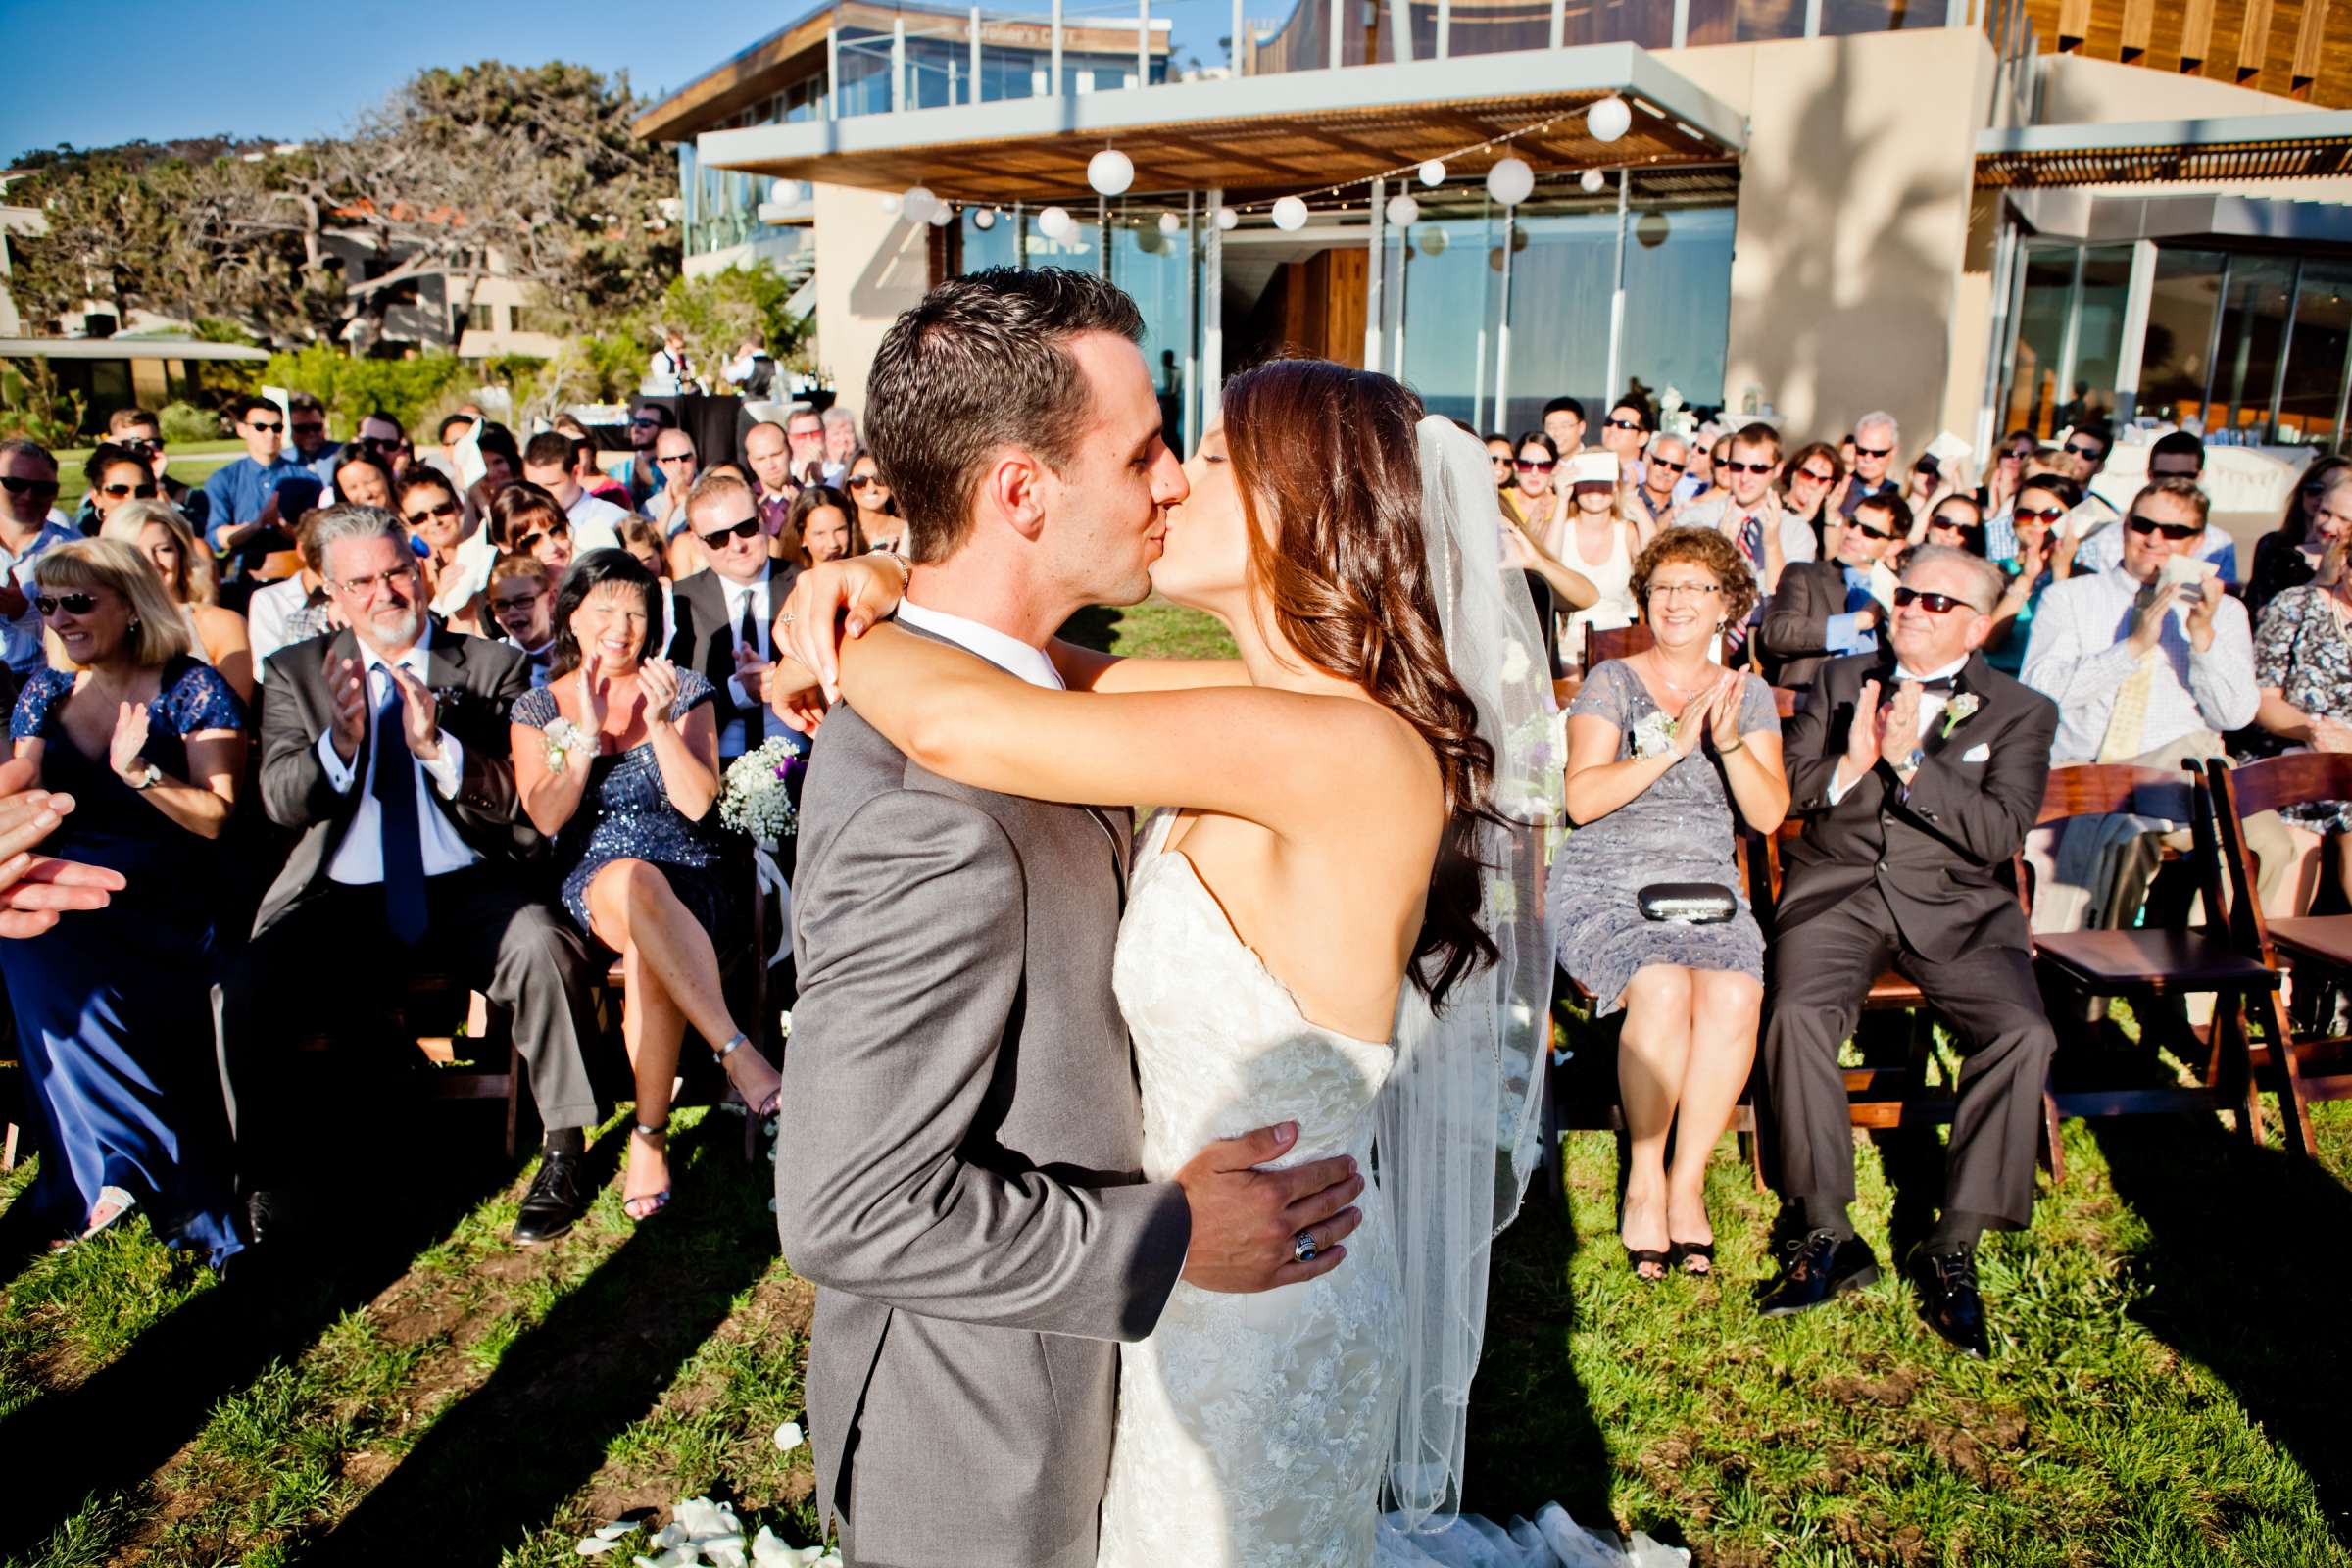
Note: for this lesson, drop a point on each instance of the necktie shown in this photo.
(755, 718)
(2127, 721)
(394, 786)
(1752, 545)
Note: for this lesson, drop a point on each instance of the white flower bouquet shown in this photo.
(757, 801)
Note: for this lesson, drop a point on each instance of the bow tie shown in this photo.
(1941, 683)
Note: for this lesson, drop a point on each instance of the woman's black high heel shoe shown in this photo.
(1640, 1259)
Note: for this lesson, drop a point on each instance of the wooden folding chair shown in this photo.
(2152, 967)
(1617, 642)
(2318, 948)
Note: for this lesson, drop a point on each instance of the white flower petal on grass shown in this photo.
(789, 1437)
(593, 1546)
(617, 1529)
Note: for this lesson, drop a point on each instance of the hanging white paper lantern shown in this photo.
(786, 192)
(1595, 181)
(1228, 220)
(942, 215)
(889, 202)
(918, 204)
(1402, 211)
(1170, 224)
(1433, 172)
(1510, 181)
(1110, 171)
(984, 217)
(1055, 223)
(1608, 120)
(1290, 213)
(1430, 241)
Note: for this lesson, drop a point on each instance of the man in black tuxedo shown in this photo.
(1824, 609)
(726, 615)
(385, 747)
(1914, 805)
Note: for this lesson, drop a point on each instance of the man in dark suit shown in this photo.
(1914, 806)
(726, 615)
(1824, 609)
(385, 747)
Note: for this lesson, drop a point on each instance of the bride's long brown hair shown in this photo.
(1326, 461)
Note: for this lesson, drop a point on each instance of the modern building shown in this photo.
(1977, 213)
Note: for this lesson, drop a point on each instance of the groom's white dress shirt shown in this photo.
(1006, 652)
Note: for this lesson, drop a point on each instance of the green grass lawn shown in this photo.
(2171, 1384)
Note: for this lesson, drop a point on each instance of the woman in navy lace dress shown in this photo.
(616, 759)
(112, 1007)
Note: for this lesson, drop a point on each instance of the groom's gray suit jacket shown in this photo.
(960, 1173)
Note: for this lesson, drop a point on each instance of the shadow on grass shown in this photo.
(500, 1464)
(2243, 1265)
(113, 1431)
(1533, 1437)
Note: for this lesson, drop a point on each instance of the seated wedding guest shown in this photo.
(1624, 431)
(502, 466)
(1825, 609)
(294, 611)
(382, 439)
(114, 474)
(586, 471)
(1868, 453)
(726, 613)
(674, 455)
(112, 1007)
(2037, 558)
(2318, 513)
(386, 750)
(138, 430)
(522, 606)
(2146, 671)
(1663, 749)
(550, 462)
(1664, 463)
(767, 453)
(1532, 503)
(1745, 510)
(826, 526)
(243, 507)
(877, 509)
(1499, 454)
(2303, 665)
(455, 568)
(1956, 522)
(1808, 479)
(217, 636)
(1998, 492)
(527, 520)
(1588, 559)
(1563, 421)
(363, 479)
(616, 760)
(27, 489)
(1918, 775)
(2177, 455)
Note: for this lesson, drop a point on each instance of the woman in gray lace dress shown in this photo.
(1661, 747)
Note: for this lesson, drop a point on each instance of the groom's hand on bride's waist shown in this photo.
(1247, 1222)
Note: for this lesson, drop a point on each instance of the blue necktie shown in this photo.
(395, 790)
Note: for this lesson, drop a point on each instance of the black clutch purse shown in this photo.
(1688, 902)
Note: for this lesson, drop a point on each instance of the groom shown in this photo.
(967, 1195)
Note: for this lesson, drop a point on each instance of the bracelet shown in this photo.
(1738, 743)
(564, 737)
(905, 571)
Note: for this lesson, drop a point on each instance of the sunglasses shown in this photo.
(1526, 467)
(858, 481)
(1732, 467)
(2174, 531)
(384, 443)
(717, 538)
(71, 604)
(310, 429)
(2038, 514)
(2090, 452)
(1618, 424)
(1933, 603)
(643, 423)
(1874, 451)
(446, 509)
(1669, 465)
(145, 492)
(18, 487)
(1868, 532)
(530, 541)
(272, 428)
(1817, 476)
(142, 446)
(676, 457)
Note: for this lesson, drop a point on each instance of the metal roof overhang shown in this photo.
(1257, 135)
(2082, 215)
(2288, 146)
(124, 348)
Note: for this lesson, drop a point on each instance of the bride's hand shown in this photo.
(834, 598)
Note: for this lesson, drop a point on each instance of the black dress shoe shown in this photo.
(558, 1198)
(1949, 1300)
(1818, 1268)
(268, 1215)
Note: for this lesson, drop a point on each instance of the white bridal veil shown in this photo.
(1458, 1120)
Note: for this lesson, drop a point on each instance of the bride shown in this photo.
(1334, 920)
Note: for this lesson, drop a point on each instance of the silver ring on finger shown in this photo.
(1303, 1246)
(785, 619)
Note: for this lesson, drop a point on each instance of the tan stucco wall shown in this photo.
(2076, 89)
(1852, 226)
(873, 266)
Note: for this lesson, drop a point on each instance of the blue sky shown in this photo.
(146, 70)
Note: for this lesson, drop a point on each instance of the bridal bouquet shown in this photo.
(757, 802)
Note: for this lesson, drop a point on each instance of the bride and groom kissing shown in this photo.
(1147, 1183)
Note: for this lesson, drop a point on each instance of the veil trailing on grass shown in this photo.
(1458, 1120)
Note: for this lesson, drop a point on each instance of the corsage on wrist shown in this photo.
(564, 738)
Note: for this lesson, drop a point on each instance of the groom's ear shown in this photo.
(1017, 489)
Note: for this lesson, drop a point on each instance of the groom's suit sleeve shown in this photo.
(911, 951)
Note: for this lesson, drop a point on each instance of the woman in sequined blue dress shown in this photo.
(616, 759)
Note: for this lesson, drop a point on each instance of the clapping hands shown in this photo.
(130, 739)
(658, 685)
(1712, 714)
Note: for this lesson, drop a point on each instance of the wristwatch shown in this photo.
(147, 780)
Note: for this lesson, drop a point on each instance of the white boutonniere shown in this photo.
(1958, 711)
(1653, 735)
(564, 738)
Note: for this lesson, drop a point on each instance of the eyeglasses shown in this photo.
(1669, 465)
(365, 587)
(717, 538)
(18, 487)
(858, 481)
(310, 429)
(142, 445)
(1683, 590)
(2037, 514)
(71, 604)
(145, 492)
(2090, 451)
(270, 428)
(676, 457)
(515, 601)
(1816, 476)
(1617, 425)
(1735, 467)
(1874, 451)
(384, 443)
(530, 541)
(2174, 531)
(446, 509)
(646, 423)
(1933, 603)
(1525, 467)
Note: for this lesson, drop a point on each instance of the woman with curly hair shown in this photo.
(1663, 748)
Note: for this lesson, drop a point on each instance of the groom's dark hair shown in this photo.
(982, 361)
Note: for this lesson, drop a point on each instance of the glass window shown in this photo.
(1443, 296)
(1563, 270)
(1842, 16)
(2098, 334)
(1155, 270)
(1745, 21)
(2315, 360)
(2173, 363)
(2253, 338)
(2048, 286)
(993, 246)
(1678, 300)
